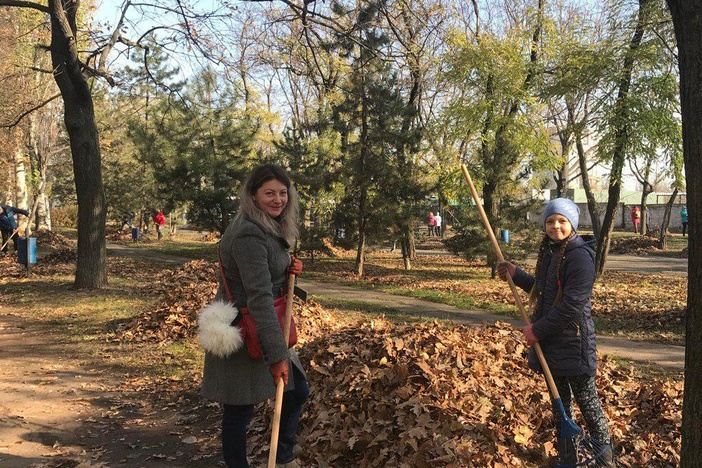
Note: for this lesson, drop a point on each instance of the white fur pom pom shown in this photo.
(215, 331)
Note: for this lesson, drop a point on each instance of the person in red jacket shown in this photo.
(159, 221)
(636, 218)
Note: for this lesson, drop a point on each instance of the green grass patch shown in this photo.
(176, 248)
(360, 309)
(461, 301)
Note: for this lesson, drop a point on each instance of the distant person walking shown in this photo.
(636, 218)
(431, 224)
(8, 225)
(439, 220)
(127, 217)
(146, 219)
(683, 219)
(159, 221)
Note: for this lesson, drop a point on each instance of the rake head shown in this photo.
(575, 448)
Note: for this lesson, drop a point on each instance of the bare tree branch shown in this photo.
(25, 4)
(102, 62)
(29, 111)
(99, 74)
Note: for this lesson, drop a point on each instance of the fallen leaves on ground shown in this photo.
(184, 291)
(632, 302)
(635, 301)
(46, 238)
(211, 237)
(423, 395)
(114, 234)
(62, 255)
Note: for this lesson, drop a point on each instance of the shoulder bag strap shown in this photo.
(224, 278)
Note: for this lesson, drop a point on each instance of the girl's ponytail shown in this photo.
(535, 292)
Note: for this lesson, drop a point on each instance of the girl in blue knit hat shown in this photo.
(559, 293)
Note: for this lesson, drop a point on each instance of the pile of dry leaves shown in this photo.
(423, 395)
(60, 256)
(211, 237)
(638, 245)
(114, 234)
(431, 395)
(184, 292)
(46, 238)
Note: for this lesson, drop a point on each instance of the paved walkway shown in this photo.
(630, 263)
(670, 357)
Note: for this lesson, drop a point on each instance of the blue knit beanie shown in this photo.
(565, 207)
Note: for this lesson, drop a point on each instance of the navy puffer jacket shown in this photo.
(565, 330)
(7, 217)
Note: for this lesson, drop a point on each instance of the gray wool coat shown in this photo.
(255, 264)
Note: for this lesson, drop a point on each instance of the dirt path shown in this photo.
(62, 408)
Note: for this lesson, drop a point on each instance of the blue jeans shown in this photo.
(236, 418)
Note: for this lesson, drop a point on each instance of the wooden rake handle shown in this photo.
(515, 293)
(281, 385)
(10, 238)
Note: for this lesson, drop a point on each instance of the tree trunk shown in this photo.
(361, 249)
(407, 262)
(491, 211)
(687, 18)
(582, 163)
(663, 239)
(647, 190)
(43, 216)
(363, 197)
(408, 249)
(564, 172)
(591, 201)
(79, 117)
(621, 139)
(21, 196)
(412, 245)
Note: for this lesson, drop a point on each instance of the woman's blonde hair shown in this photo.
(285, 225)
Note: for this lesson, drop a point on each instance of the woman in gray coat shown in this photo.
(256, 262)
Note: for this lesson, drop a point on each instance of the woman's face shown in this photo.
(558, 227)
(271, 197)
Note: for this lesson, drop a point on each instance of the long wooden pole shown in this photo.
(281, 385)
(10, 238)
(515, 293)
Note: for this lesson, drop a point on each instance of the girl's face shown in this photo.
(558, 227)
(272, 197)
